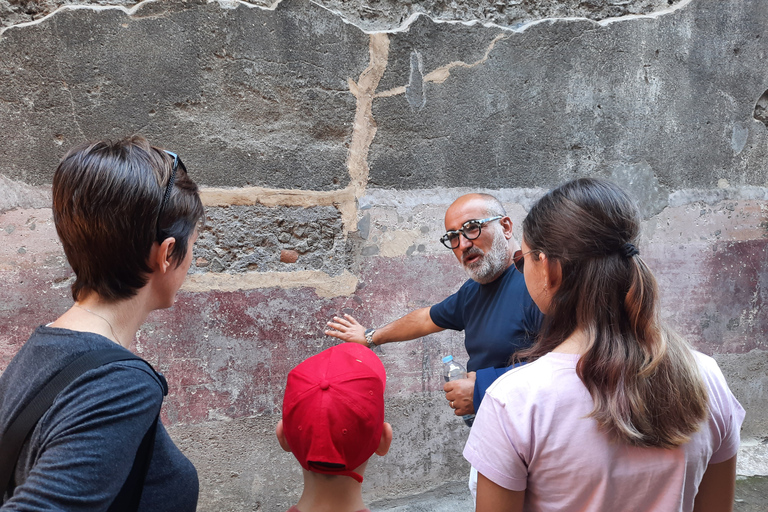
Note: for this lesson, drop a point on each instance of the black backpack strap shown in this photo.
(18, 430)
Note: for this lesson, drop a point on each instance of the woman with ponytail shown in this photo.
(614, 411)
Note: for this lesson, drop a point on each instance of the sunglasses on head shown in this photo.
(176, 164)
(519, 259)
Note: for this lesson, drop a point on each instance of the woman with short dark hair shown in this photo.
(127, 215)
(614, 410)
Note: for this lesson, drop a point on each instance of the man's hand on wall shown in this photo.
(459, 394)
(347, 329)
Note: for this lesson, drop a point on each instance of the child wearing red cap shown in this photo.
(333, 421)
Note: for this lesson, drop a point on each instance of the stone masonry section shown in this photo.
(242, 238)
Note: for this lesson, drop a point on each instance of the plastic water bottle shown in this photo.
(452, 371)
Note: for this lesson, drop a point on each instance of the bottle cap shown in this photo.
(447, 359)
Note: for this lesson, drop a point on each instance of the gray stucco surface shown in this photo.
(199, 77)
(568, 98)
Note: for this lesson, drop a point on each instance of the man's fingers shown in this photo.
(338, 326)
(351, 319)
(342, 321)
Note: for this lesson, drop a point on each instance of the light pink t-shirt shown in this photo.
(532, 433)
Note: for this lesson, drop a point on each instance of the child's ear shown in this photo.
(386, 440)
(281, 436)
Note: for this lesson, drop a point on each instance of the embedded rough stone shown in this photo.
(288, 256)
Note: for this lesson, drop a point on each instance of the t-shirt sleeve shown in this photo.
(448, 313)
(727, 414)
(495, 448)
(89, 439)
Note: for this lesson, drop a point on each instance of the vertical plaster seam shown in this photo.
(363, 132)
(364, 128)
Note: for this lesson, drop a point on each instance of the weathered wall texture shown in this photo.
(329, 140)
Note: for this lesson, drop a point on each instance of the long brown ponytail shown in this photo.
(642, 376)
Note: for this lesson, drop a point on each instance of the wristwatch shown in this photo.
(369, 338)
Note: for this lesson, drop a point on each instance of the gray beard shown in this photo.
(491, 264)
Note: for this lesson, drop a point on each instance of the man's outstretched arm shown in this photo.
(414, 325)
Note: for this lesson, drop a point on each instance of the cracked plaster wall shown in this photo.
(329, 137)
(388, 14)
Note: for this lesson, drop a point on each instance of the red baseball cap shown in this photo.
(333, 409)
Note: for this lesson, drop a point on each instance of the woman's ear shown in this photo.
(386, 440)
(553, 272)
(280, 433)
(160, 257)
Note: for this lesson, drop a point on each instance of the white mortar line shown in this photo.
(406, 25)
(233, 4)
(79, 7)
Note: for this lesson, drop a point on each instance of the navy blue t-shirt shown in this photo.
(497, 318)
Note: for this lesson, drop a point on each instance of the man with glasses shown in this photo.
(493, 307)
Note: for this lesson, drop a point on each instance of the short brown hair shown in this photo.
(106, 201)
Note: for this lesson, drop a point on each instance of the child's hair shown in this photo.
(642, 376)
(333, 409)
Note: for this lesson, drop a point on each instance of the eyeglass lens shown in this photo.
(519, 260)
(471, 230)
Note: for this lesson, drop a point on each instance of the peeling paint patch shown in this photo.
(397, 243)
(28, 239)
(415, 91)
(761, 109)
(641, 183)
(16, 194)
(739, 137)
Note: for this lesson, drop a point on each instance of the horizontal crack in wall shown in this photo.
(323, 284)
(402, 27)
(513, 26)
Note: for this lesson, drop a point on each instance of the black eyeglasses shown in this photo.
(470, 230)
(519, 259)
(176, 164)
